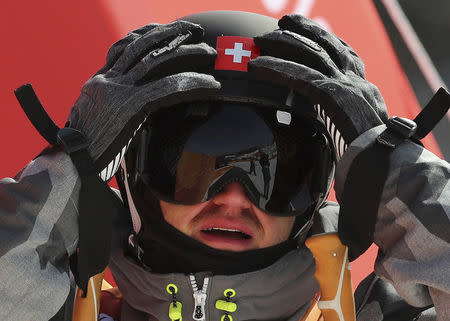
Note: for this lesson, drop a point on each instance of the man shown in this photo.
(183, 109)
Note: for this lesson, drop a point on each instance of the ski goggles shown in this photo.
(187, 154)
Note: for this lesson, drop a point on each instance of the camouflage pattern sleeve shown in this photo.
(38, 232)
(413, 223)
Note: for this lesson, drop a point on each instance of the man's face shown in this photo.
(229, 221)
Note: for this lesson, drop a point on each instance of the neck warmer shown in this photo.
(280, 291)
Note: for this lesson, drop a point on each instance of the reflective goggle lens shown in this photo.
(188, 155)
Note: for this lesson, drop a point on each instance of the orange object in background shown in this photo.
(87, 308)
(333, 274)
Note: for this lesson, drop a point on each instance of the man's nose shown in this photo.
(233, 196)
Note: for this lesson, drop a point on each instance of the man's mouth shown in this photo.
(231, 234)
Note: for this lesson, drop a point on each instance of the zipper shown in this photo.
(199, 298)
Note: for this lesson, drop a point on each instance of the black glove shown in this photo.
(157, 65)
(319, 65)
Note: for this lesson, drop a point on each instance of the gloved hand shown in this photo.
(154, 66)
(319, 65)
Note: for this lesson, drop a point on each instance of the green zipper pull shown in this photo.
(226, 305)
(175, 306)
(175, 311)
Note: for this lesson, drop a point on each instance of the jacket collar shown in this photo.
(281, 291)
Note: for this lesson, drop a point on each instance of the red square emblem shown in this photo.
(234, 53)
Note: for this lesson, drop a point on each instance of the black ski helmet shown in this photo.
(285, 120)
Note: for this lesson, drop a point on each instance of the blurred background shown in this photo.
(57, 46)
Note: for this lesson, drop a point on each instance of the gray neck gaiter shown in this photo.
(281, 291)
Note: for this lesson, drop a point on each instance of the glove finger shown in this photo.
(119, 46)
(179, 88)
(193, 57)
(304, 80)
(283, 72)
(307, 82)
(168, 91)
(144, 29)
(294, 47)
(338, 98)
(340, 52)
(162, 36)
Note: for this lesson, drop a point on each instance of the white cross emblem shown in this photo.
(238, 52)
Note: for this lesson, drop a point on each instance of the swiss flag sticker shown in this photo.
(234, 53)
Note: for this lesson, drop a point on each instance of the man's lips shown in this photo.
(226, 234)
(225, 224)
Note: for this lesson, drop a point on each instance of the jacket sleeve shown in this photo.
(413, 223)
(38, 233)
